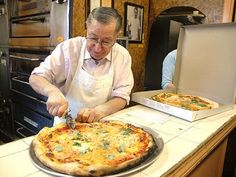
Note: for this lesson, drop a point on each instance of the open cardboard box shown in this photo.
(205, 66)
(144, 98)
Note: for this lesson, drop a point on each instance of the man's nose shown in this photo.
(98, 47)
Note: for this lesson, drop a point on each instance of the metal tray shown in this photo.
(148, 161)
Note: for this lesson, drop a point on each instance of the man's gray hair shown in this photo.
(105, 15)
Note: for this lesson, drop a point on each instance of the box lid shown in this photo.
(206, 61)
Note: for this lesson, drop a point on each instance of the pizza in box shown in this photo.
(188, 102)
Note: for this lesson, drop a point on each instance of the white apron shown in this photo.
(87, 90)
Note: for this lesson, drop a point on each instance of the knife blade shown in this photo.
(70, 122)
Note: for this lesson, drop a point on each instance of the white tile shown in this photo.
(170, 127)
(165, 137)
(137, 174)
(17, 165)
(12, 147)
(39, 174)
(214, 122)
(162, 164)
(148, 116)
(117, 117)
(28, 140)
(44, 174)
(182, 121)
(196, 135)
(179, 147)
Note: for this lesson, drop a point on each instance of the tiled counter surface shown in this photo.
(181, 139)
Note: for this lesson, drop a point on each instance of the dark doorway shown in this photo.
(163, 39)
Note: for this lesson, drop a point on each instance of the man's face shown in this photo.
(100, 39)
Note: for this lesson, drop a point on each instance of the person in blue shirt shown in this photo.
(168, 69)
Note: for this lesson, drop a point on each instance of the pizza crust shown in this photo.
(212, 103)
(96, 169)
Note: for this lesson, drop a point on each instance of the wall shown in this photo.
(215, 11)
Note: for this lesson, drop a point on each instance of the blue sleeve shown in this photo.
(168, 68)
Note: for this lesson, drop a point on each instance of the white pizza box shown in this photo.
(205, 66)
(144, 98)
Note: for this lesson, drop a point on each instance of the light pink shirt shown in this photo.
(59, 67)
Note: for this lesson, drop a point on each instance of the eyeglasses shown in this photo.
(105, 44)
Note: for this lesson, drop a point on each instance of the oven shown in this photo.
(35, 28)
(5, 102)
(39, 23)
(28, 107)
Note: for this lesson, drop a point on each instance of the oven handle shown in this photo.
(43, 102)
(18, 80)
(18, 131)
(29, 132)
(29, 20)
(31, 122)
(24, 58)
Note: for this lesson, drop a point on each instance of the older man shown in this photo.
(90, 75)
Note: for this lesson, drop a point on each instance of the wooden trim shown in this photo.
(190, 163)
(107, 3)
(44, 42)
(228, 11)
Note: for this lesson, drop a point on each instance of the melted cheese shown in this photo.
(188, 102)
(109, 143)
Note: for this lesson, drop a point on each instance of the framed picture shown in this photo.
(123, 41)
(133, 22)
(92, 4)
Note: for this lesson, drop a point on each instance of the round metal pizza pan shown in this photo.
(148, 161)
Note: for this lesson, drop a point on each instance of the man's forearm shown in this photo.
(56, 102)
(112, 106)
(42, 85)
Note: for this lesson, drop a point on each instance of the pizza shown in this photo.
(93, 149)
(189, 102)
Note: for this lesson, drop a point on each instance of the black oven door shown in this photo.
(22, 62)
(29, 110)
(27, 122)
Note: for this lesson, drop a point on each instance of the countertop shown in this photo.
(181, 140)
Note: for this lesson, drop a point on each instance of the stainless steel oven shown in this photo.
(28, 108)
(35, 26)
(40, 23)
(30, 7)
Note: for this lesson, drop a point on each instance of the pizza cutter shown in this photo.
(70, 122)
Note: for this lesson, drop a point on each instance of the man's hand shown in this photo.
(100, 111)
(56, 103)
(170, 86)
(89, 115)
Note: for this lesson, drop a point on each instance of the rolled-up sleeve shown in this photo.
(53, 65)
(168, 69)
(123, 76)
(59, 67)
